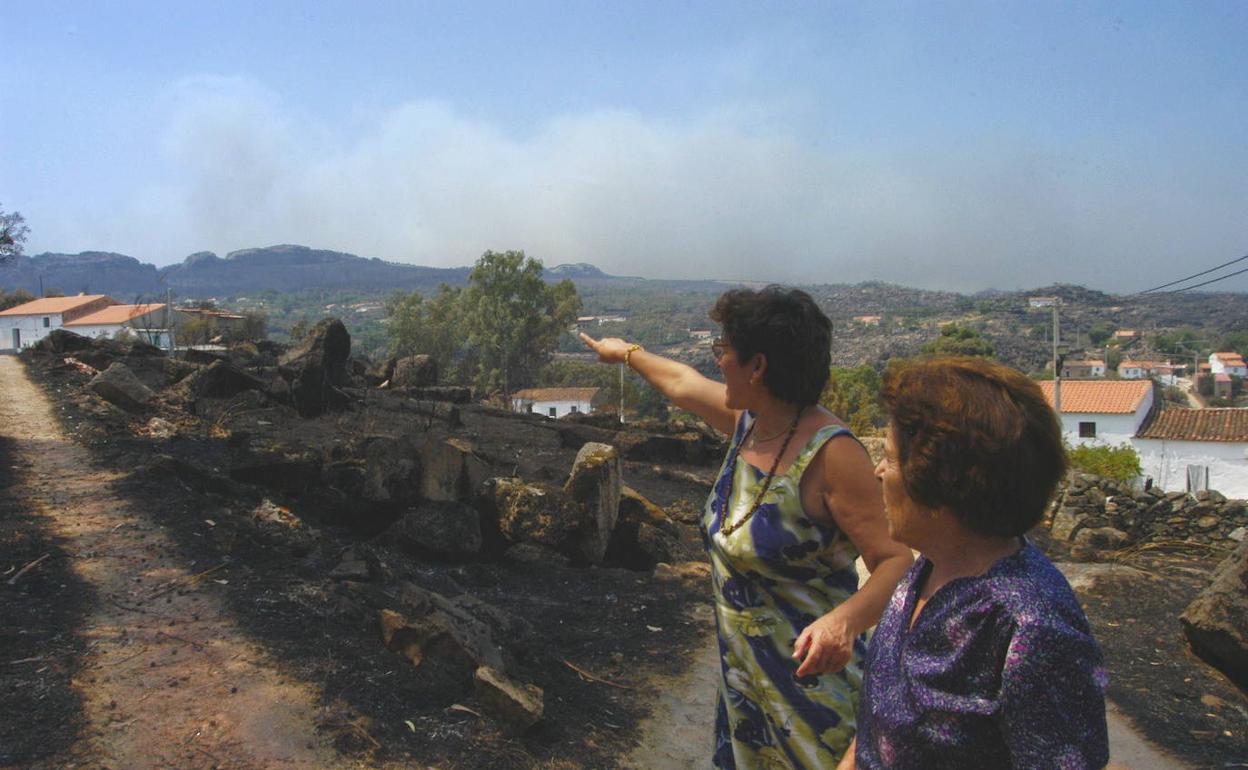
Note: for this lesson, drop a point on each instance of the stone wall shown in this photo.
(1096, 512)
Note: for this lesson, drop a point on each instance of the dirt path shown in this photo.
(169, 680)
(677, 735)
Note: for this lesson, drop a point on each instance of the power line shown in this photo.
(1197, 275)
(1211, 280)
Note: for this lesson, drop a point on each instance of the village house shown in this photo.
(149, 323)
(1222, 386)
(1038, 302)
(557, 402)
(1228, 363)
(24, 325)
(1083, 369)
(1135, 370)
(1126, 334)
(1194, 449)
(701, 334)
(868, 320)
(1101, 411)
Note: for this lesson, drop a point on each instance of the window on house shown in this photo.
(574, 409)
(552, 411)
(528, 408)
(46, 322)
(1087, 430)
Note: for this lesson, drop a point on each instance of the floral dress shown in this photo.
(773, 577)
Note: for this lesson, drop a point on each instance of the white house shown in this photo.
(1207, 446)
(150, 323)
(1083, 369)
(1228, 363)
(1100, 411)
(556, 402)
(24, 325)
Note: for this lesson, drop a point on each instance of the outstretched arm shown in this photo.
(681, 384)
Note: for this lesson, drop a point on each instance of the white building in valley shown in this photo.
(1192, 449)
(149, 323)
(1101, 411)
(557, 402)
(24, 325)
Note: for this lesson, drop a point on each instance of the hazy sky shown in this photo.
(954, 145)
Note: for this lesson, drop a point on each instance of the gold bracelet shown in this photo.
(628, 353)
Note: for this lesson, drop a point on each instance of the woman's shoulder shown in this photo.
(1031, 592)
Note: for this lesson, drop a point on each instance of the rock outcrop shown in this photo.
(1216, 622)
(592, 497)
(316, 369)
(118, 386)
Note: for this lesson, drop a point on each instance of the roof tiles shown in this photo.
(115, 314)
(1197, 425)
(53, 304)
(1100, 397)
(556, 394)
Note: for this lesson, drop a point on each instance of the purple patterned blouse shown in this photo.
(999, 671)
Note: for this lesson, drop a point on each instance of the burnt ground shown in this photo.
(1173, 697)
(621, 628)
(591, 637)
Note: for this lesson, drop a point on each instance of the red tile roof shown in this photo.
(115, 314)
(48, 305)
(1197, 425)
(556, 394)
(1100, 397)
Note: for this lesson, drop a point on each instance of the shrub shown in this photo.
(1120, 463)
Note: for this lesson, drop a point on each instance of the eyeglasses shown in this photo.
(718, 347)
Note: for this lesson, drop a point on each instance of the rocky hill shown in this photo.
(288, 268)
(89, 272)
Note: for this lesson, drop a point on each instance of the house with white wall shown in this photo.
(1083, 368)
(1102, 411)
(150, 323)
(25, 325)
(557, 402)
(1207, 446)
(1228, 363)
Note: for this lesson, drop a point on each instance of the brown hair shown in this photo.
(788, 328)
(977, 439)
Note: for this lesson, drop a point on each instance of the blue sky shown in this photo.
(948, 145)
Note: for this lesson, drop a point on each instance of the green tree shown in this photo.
(19, 297)
(513, 318)
(13, 232)
(255, 327)
(958, 340)
(1098, 334)
(430, 326)
(1233, 342)
(853, 395)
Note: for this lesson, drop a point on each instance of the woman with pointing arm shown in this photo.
(793, 505)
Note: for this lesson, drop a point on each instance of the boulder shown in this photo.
(219, 379)
(380, 372)
(592, 497)
(440, 529)
(391, 471)
(450, 470)
(118, 386)
(63, 341)
(315, 370)
(1101, 538)
(524, 512)
(1216, 622)
(515, 706)
(640, 539)
(1066, 522)
(414, 372)
(287, 469)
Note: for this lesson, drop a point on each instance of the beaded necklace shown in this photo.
(727, 528)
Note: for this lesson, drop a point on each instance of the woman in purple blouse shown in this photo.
(983, 658)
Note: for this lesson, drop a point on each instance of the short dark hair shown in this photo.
(975, 438)
(787, 327)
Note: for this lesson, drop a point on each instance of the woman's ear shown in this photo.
(758, 367)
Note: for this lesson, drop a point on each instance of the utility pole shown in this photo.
(1057, 365)
(621, 392)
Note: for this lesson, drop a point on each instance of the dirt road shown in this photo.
(678, 734)
(169, 680)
